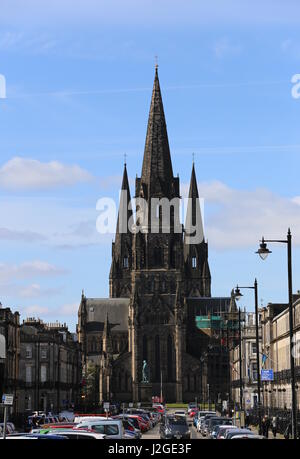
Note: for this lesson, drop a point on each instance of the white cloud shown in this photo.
(65, 310)
(36, 310)
(21, 173)
(238, 218)
(291, 48)
(36, 291)
(68, 309)
(225, 48)
(27, 270)
(7, 234)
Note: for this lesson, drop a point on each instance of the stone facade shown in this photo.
(9, 367)
(50, 367)
(276, 345)
(249, 364)
(157, 279)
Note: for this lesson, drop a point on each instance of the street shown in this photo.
(154, 433)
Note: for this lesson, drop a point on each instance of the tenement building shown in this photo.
(50, 367)
(10, 343)
(249, 363)
(276, 346)
(159, 282)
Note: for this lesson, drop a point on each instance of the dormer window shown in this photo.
(125, 262)
(194, 262)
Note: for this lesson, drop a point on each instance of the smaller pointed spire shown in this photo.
(125, 211)
(232, 306)
(193, 224)
(106, 337)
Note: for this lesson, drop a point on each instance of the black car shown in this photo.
(174, 427)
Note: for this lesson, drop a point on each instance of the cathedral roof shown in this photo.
(115, 310)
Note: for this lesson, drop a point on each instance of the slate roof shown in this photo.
(116, 308)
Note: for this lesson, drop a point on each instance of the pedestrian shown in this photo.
(247, 419)
(274, 426)
(288, 431)
(265, 426)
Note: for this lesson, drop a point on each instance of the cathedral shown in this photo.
(159, 284)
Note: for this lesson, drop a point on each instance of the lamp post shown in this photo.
(263, 252)
(238, 295)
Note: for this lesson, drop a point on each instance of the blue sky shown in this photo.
(79, 80)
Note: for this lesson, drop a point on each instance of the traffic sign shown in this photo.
(267, 375)
(7, 399)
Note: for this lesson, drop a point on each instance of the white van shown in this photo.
(111, 428)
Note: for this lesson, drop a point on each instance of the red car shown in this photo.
(193, 413)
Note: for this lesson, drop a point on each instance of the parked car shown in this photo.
(221, 432)
(180, 413)
(79, 435)
(217, 421)
(112, 428)
(204, 423)
(230, 433)
(192, 406)
(135, 425)
(174, 427)
(29, 436)
(201, 415)
(248, 437)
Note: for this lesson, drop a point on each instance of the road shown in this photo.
(154, 433)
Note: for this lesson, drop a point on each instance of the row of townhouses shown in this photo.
(274, 351)
(40, 364)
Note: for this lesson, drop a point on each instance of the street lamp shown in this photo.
(263, 252)
(238, 296)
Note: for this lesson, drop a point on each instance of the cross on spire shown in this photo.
(156, 62)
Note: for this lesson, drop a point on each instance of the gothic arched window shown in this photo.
(194, 262)
(125, 262)
(158, 256)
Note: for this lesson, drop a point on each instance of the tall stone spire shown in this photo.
(157, 173)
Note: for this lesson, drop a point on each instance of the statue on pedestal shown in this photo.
(145, 378)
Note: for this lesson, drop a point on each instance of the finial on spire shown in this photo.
(156, 62)
(125, 158)
(193, 158)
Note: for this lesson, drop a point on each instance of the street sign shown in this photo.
(130, 405)
(267, 375)
(106, 406)
(7, 399)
